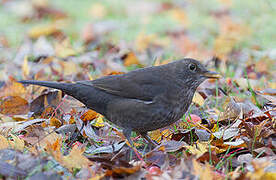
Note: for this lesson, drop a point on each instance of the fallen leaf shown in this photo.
(13, 88)
(198, 99)
(130, 59)
(89, 115)
(55, 122)
(97, 11)
(13, 105)
(25, 68)
(99, 121)
(74, 159)
(180, 16)
(43, 30)
(158, 135)
(198, 149)
(14, 143)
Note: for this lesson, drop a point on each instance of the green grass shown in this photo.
(258, 15)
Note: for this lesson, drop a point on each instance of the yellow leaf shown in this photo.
(98, 11)
(158, 62)
(55, 122)
(42, 30)
(198, 149)
(68, 67)
(179, 15)
(25, 68)
(158, 135)
(131, 59)
(272, 85)
(4, 143)
(198, 99)
(75, 159)
(204, 171)
(64, 49)
(259, 170)
(144, 41)
(99, 122)
(15, 143)
(224, 45)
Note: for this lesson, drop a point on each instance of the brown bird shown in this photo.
(142, 100)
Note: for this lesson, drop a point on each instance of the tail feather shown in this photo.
(66, 87)
(88, 95)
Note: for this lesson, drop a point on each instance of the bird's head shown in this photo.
(192, 72)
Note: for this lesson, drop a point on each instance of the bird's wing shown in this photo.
(141, 85)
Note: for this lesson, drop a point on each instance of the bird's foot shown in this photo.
(146, 136)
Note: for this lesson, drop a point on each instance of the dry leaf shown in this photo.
(131, 59)
(74, 159)
(198, 99)
(14, 143)
(158, 135)
(179, 15)
(43, 30)
(25, 68)
(12, 88)
(13, 105)
(64, 49)
(89, 115)
(198, 149)
(99, 121)
(55, 122)
(97, 11)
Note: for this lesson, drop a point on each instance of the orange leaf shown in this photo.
(89, 115)
(12, 88)
(131, 59)
(55, 122)
(158, 135)
(13, 105)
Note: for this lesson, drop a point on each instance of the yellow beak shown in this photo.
(211, 74)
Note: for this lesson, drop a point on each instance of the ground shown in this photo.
(228, 132)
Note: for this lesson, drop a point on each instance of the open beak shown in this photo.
(212, 75)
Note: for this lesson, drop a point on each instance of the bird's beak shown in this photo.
(212, 75)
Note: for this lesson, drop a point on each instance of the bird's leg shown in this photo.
(146, 136)
(127, 134)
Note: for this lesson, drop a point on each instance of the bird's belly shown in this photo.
(143, 117)
(159, 118)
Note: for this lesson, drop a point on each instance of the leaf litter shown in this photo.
(228, 132)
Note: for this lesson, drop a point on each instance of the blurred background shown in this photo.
(139, 33)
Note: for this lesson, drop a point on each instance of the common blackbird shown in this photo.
(142, 100)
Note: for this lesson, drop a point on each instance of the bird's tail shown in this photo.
(65, 87)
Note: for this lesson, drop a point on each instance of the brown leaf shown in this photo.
(122, 171)
(55, 122)
(12, 88)
(14, 105)
(49, 98)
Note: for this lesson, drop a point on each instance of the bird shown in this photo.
(141, 100)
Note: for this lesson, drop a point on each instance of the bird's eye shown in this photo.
(192, 67)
